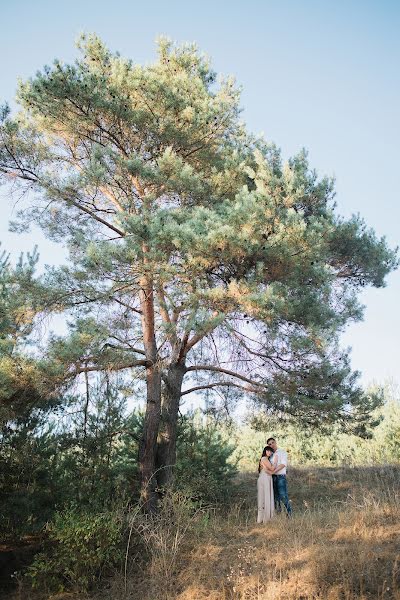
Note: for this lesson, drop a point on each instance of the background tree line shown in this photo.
(85, 458)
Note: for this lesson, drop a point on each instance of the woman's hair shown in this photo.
(264, 453)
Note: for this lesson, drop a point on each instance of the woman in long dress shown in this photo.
(265, 489)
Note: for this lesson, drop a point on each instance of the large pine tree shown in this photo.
(195, 252)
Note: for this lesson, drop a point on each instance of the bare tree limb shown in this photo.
(218, 384)
(226, 372)
(135, 363)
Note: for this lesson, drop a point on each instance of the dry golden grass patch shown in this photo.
(341, 544)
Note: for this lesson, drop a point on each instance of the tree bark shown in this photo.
(166, 447)
(148, 443)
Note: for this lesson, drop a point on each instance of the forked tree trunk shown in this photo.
(166, 447)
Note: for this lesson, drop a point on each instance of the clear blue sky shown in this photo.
(323, 75)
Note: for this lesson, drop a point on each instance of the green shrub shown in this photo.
(80, 546)
(204, 460)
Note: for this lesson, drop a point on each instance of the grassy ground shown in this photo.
(341, 544)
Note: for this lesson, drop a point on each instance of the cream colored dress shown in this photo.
(265, 495)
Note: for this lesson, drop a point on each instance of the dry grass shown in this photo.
(341, 544)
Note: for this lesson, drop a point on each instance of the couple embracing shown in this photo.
(272, 484)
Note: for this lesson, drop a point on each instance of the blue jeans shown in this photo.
(281, 494)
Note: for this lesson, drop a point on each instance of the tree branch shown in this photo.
(226, 372)
(95, 217)
(259, 354)
(136, 310)
(218, 384)
(130, 349)
(135, 363)
(171, 334)
(15, 175)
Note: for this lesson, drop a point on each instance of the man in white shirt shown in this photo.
(280, 462)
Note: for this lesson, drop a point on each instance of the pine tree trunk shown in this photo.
(166, 447)
(148, 444)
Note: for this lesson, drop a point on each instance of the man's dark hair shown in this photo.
(271, 440)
